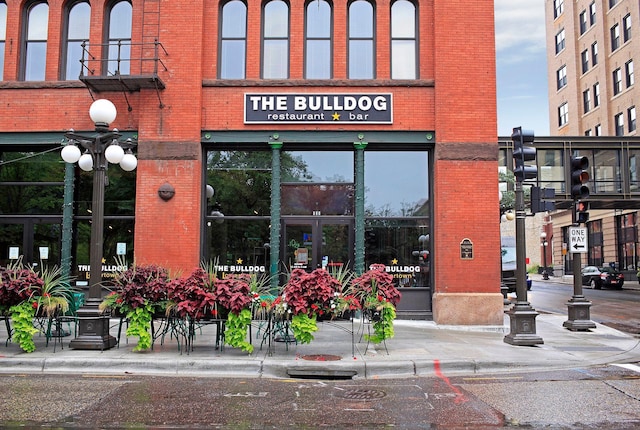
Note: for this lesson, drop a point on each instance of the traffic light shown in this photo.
(540, 199)
(582, 212)
(579, 177)
(522, 152)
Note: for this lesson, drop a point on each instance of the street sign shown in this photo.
(578, 243)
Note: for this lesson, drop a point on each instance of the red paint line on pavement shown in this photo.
(460, 398)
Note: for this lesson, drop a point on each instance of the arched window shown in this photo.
(77, 22)
(275, 40)
(361, 42)
(318, 30)
(403, 40)
(34, 58)
(233, 40)
(119, 38)
(3, 35)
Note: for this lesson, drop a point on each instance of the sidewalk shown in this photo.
(419, 348)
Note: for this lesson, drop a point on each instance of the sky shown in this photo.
(521, 66)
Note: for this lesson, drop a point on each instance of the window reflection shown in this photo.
(403, 40)
(361, 45)
(396, 183)
(276, 40)
(36, 43)
(77, 32)
(119, 39)
(318, 40)
(233, 43)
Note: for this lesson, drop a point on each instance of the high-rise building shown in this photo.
(592, 46)
(591, 49)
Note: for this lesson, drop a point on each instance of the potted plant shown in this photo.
(378, 298)
(140, 291)
(307, 296)
(26, 294)
(234, 294)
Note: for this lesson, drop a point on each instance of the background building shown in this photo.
(366, 118)
(591, 49)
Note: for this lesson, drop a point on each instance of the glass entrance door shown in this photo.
(319, 242)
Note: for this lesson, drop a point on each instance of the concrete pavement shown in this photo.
(419, 348)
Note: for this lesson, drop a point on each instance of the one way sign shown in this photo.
(578, 242)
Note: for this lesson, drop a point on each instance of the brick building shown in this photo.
(591, 49)
(331, 133)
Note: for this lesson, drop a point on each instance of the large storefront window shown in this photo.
(318, 213)
(31, 203)
(31, 196)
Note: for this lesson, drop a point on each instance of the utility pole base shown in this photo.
(93, 328)
(523, 327)
(579, 315)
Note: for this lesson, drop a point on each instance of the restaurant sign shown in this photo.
(375, 108)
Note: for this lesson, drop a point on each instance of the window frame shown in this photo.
(561, 76)
(594, 54)
(29, 42)
(223, 40)
(629, 74)
(558, 8)
(266, 39)
(327, 39)
(631, 119)
(371, 39)
(560, 41)
(618, 123)
(563, 114)
(584, 60)
(586, 100)
(617, 81)
(415, 38)
(67, 40)
(615, 37)
(626, 28)
(123, 67)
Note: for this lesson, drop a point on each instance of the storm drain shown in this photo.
(361, 394)
(321, 357)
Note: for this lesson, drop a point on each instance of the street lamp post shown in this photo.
(100, 148)
(544, 243)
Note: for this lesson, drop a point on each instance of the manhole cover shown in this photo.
(321, 357)
(361, 394)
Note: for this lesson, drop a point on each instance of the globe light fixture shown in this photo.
(100, 149)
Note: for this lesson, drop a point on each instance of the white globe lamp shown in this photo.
(103, 112)
(70, 153)
(114, 153)
(86, 162)
(128, 162)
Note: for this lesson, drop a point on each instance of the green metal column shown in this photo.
(359, 206)
(276, 146)
(67, 220)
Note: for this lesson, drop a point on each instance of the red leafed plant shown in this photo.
(310, 293)
(194, 295)
(142, 284)
(375, 285)
(233, 293)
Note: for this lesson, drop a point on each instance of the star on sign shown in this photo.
(239, 261)
(394, 261)
(336, 116)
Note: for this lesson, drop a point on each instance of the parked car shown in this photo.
(598, 277)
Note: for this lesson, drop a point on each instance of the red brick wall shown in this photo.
(466, 183)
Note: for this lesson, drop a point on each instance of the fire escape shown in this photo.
(123, 66)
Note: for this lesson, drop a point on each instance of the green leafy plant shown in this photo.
(140, 291)
(303, 326)
(235, 333)
(23, 330)
(139, 325)
(383, 325)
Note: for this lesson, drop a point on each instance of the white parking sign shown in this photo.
(578, 242)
